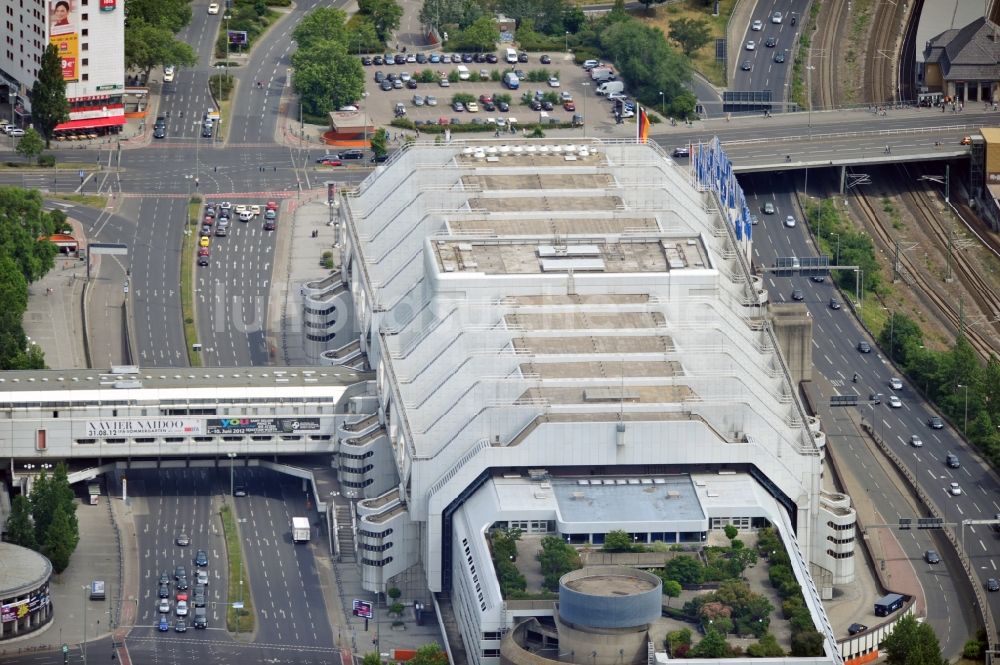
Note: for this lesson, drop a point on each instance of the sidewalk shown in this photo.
(76, 616)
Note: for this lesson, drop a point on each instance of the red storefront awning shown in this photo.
(89, 123)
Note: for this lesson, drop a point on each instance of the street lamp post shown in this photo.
(663, 105)
(567, 41)
(83, 647)
(892, 333)
(809, 97)
(836, 260)
(585, 86)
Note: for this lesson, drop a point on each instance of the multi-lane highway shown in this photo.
(764, 72)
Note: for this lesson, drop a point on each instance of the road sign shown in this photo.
(362, 608)
(844, 400)
(65, 648)
(815, 266)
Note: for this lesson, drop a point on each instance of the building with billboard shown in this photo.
(25, 603)
(90, 38)
(568, 340)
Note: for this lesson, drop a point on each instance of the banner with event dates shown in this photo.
(262, 425)
(21, 608)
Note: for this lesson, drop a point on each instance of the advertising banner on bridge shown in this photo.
(262, 425)
(144, 427)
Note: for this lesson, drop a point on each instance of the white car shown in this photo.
(16, 131)
(168, 73)
(895, 402)
(776, 18)
(895, 383)
(182, 608)
(554, 82)
(430, 100)
(404, 76)
(202, 577)
(757, 25)
(915, 441)
(213, 8)
(245, 216)
(751, 45)
(790, 221)
(164, 606)
(954, 489)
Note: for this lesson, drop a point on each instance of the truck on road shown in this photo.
(301, 533)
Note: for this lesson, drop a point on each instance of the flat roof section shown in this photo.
(597, 584)
(583, 320)
(593, 344)
(21, 570)
(624, 500)
(552, 203)
(542, 180)
(507, 257)
(533, 226)
(602, 369)
(612, 394)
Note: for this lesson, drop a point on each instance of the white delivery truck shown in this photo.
(610, 87)
(301, 533)
(463, 73)
(599, 74)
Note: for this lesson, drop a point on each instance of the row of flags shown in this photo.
(713, 171)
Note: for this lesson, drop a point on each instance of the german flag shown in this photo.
(642, 127)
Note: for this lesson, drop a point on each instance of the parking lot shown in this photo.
(573, 79)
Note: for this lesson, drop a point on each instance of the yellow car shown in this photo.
(204, 241)
(254, 210)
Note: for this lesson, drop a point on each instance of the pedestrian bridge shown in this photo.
(130, 413)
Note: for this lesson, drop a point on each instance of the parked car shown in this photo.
(856, 628)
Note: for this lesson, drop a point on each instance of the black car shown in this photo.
(366, 61)
(164, 591)
(489, 106)
(386, 85)
(352, 154)
(182, 582)
(492, 58)
(206, 230)
(164, 577)
(797, 294)
(201, 558)
(875, 398)
(179, 572)
(771, 42)
(400, 59)
(378, 61)
(934, 422)
(379, 76)
(856, 628)
(503, 106)
(159, 132)
(547, 105)
(864, 347)
(746, 66)
(546, 60)
(224, 213)
(931, 556)
(536, 105)
(522, 57)
(819, 279)
(951, 459)
(992, 584)
(466, 58)
(421, 58)
(682, 152)
(834, 303)
(412, 84)
(779, 57)
(206, 131)
(479, 57)
(377, 159)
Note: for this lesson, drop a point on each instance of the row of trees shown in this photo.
(46, 520)
(24, 258)
(326, 75)
(151, 27)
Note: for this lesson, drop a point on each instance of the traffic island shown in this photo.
(188, 245)
(240, 616)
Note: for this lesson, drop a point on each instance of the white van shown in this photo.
(463, 73)
(511, 56)
(610, 88)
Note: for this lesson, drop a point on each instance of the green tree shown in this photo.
(59, 540)
(912, 643)
(384, 15)
(64, 498)
(504, 543)
(379, 142)
(43, 505)
(617, 541)
(30, 145)
(172, 15)
(20, 530)
(676, 639)
(148, 46)
(650, 3)
(429, 654)
(684, 569)
(510, 578)
(731, 532)
(556, 558)
(713, 645)
(319, 25)
(326, 77)
(394, 593)
(899, 333)
(371, 658)
(48, 95)
(671, 589)
(766, 647)
(809, 643)
(691, 34)
(482, 35)
(439, 13)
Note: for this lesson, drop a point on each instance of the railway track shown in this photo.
(916, 276)
(825, 53)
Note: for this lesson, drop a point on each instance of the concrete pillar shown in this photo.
(793, 329)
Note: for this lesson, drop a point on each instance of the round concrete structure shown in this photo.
(610, 597)
(25, 605)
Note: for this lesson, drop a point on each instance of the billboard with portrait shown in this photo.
(64, 35)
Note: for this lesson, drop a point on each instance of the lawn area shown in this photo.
(187, 280)
(702, 60)
(89, 200)
(234, 553)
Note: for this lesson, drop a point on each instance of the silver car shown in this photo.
(430, 100)
(418, 100)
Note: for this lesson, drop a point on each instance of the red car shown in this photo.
(208, 220)
(485, 99)
(569, 106)
(331, 162)
(182, 596)
(272, 205)
(203, 251)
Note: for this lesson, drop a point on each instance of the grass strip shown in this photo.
(91, 200)
(234, 554)
(188, 245)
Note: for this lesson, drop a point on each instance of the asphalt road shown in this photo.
(835, 338)
(765, 73)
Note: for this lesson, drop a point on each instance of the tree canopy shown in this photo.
(556, 558)
(383, 14)
(53, 516)
(690, 34)
(49, 106)
(149, 45)
(327, 77)
(913, 643)
(20, 529)
(30, 145)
